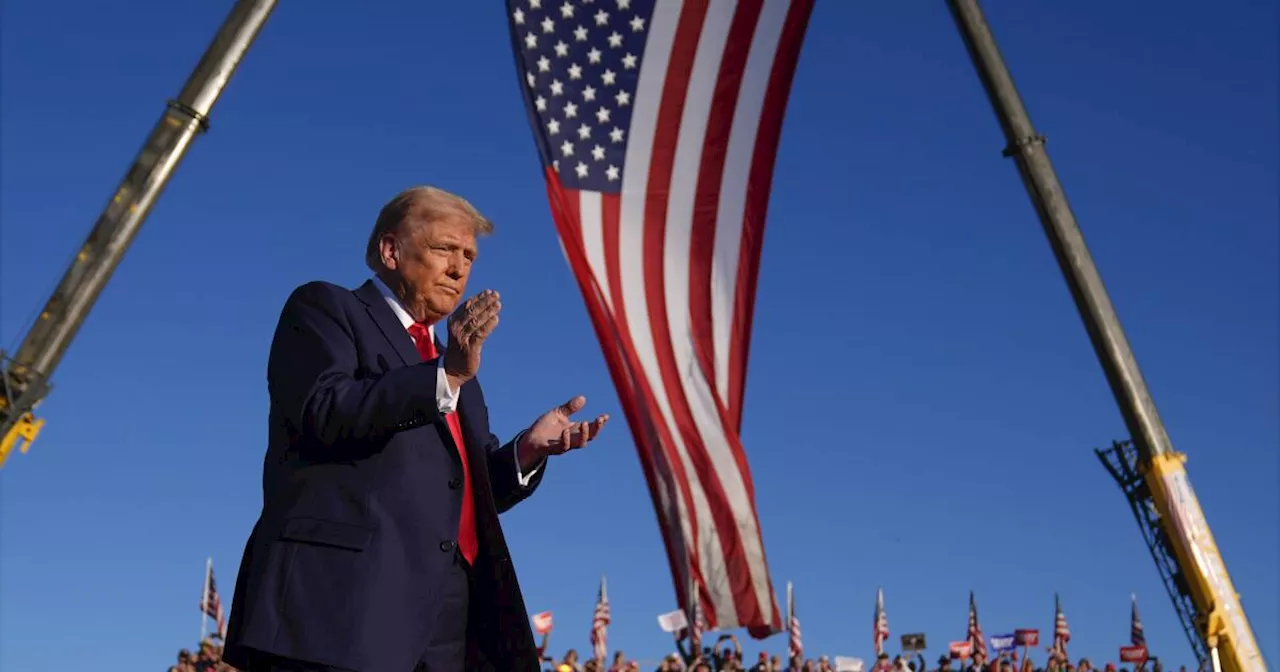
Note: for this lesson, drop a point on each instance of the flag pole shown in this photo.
(204, 599)
(790, 654)
(1026, 147)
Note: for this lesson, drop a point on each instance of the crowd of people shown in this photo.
(727, 656)
(206, 658)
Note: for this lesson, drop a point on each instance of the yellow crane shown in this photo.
(25, 376)
(1152, 474)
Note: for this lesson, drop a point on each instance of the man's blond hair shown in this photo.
(431, 203)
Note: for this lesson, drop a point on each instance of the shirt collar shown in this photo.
(396, 307)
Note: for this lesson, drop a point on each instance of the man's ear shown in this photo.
(389, 251)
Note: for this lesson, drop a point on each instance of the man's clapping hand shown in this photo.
(469, 326)
(555, 433)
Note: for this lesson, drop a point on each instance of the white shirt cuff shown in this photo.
(446, 396)
(522, 478)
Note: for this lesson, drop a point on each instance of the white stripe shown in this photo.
(644, 120)
(591, 215)
(702, 403)
(733, 186)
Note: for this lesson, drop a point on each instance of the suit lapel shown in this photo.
(388, 323)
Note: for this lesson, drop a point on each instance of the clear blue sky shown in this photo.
(922, 403)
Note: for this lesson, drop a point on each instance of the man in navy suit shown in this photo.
(379, 548)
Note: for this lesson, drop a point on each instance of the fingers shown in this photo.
(477, 317)
(579, 434)
(573, 405)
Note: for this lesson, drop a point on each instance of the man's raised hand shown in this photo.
(556, 433)
(469, 326)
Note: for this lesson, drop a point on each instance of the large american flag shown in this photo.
(977, 643)
(657, 122)
(880, 627)
(796, 642)
(1136, 636)
(1061, 632)
(600, 624)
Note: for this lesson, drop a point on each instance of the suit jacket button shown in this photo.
(446, 545)
(455, 483)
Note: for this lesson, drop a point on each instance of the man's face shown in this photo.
(430, 262)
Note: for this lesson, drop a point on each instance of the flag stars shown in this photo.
(566, 41)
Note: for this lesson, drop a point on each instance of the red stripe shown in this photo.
(662, 467)
(666, 138)
(615, 345)
(757, 201)
(706, 204)
(702, 252)
(715, 146)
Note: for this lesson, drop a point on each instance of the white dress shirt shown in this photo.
(446, 396)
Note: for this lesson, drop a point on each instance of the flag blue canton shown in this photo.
(579, 62)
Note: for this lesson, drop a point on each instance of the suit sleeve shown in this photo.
(311, 377)
(504, 477)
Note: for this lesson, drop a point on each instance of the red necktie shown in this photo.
(467, 543)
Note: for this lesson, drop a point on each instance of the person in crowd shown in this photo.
(762, 663)
(378, 545)
(979, 662)
(570, 662)
(727, 653)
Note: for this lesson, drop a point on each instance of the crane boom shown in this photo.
(26, 375)
(1220, 620)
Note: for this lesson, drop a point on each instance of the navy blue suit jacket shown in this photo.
(361, 499)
